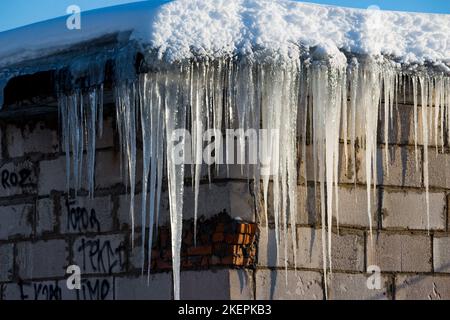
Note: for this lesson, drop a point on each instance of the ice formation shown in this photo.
(321, 76)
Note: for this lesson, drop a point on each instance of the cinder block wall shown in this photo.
(43, 229)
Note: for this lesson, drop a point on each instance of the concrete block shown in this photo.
(16, 221)
(347, 250)
(42, 259)
(84, 214)
(308, 205)
(400, 252)
(408, 210)
(439, 169)
(138, 288)
(300, 285)
(53, 173)
(401, 170)
(107, 169)
(346, 286)
(92, 289)
(46, 221)
(6, 262)
(353, 207)
(216, 285)
(18, 178)
(422, 287)
(36, 290)
(104, 254)
(23, 140)
(441, 254)
(107, 139)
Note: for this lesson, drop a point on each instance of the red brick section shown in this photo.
(221, 241)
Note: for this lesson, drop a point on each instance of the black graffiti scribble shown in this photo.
(101, 256)
(81, 219)
(97, 289)
(12, 179)
(41, 291)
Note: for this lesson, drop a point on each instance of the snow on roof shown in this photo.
(183, 28)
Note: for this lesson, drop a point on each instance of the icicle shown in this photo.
(414, 86)
(238, 93)
(126, 98)
(91, 121)
(424, 87)
(175, 117)
(198, 124)
(79, 125)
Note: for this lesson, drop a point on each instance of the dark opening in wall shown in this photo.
(34, 89)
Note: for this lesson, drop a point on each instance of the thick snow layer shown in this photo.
(215, 28)
(49, 37)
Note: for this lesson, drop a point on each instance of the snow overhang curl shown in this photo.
(319, 75)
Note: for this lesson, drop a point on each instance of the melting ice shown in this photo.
(324, 100)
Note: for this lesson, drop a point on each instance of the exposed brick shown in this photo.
(218, 237)
(299, 285)
(422, 287)
(408, 210)
(345, 286)
(235, 238)
(438, 168)
(18, 178)
(131, 288)
(400, 252)
(42, 259)
(441, 254)
(200, 251)
(16, 221)
(104, 254)
(45, 216)
(84, 214)
(21, 141)
(400, 171)
(6, 261)
(242, 228)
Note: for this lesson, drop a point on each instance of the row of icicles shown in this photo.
(327, 104)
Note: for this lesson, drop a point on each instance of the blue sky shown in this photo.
(16, 13)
